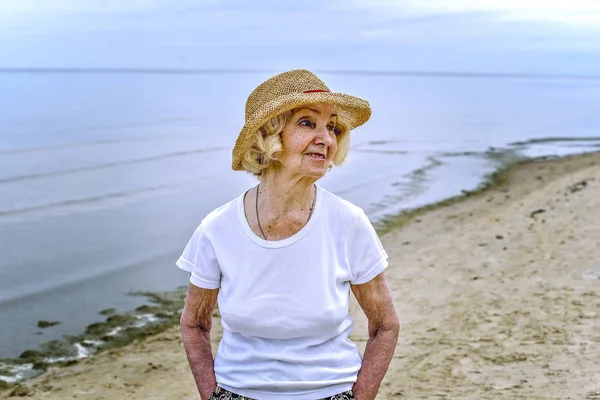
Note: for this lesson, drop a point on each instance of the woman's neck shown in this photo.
(284, 196)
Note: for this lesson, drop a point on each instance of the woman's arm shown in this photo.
(375, 298)
(196, 321)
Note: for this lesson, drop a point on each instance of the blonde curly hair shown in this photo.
(266, 144)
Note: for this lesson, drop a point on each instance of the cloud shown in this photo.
(494, 25)
(49, 7)
(582, 14)
(319, 23)
(356, 33)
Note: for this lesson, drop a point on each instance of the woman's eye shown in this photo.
(306, 123)
(331, 127)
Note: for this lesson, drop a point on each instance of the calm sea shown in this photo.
(104, 176)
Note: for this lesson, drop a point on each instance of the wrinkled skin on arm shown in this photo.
(196, 323)
(375, 299)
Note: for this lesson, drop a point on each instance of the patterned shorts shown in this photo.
(224, 394)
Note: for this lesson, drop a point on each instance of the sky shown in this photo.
(512, 36)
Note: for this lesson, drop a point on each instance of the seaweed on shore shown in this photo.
(162, 312)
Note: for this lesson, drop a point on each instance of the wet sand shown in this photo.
(498, 293)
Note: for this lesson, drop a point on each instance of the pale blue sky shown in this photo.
(437, 35)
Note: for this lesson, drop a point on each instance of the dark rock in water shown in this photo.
(31, 355)
(120, 319)
(108, 311)
(146, 309)
(59, 348)
(97, 328)
(46, 324)
(499, 237)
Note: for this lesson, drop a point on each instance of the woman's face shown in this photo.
(309, 140)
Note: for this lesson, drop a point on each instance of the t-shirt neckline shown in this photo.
(283, 242)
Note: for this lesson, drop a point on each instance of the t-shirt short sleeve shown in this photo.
(366, 255)
(200, 260)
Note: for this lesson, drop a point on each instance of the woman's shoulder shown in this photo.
(224, 213)
(341, 208)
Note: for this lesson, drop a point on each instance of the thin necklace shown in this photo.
(312, 207)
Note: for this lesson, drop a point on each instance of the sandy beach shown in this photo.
(498, 293)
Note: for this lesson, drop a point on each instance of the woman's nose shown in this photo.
(324, 136)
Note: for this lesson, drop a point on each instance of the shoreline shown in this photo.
(500, 189)
(491, 181)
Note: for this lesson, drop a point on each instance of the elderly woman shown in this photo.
(281, 258)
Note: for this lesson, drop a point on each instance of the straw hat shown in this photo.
(291, 90)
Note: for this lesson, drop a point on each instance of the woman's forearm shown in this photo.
(376, 360)
(196, 342)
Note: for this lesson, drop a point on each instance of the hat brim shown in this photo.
(355, 112)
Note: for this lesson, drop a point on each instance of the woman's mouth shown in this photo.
(316, 156)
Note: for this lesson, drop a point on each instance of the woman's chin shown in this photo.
(317, 173)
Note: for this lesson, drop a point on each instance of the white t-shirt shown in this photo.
(284, 304)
